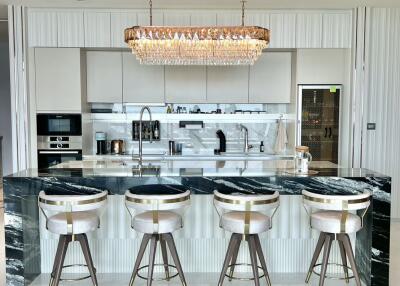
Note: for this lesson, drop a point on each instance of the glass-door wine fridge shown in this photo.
(318, 120)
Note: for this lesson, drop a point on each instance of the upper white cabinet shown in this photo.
(337, 29)
(70, 28)
(203, 18)
(260, 19)
(58, 80)
(270, 78)
(143, 18)
(283, 30)
(119, 22)
(227, 84)
(104, 76)
(141, 83)
(229, 18)
(97, 29)
(42, 28)
(174, 18)
(309, 30)
(185, 84)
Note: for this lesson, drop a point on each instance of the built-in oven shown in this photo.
(59, 139)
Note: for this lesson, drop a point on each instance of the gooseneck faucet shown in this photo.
(247, 147)
(141, 131)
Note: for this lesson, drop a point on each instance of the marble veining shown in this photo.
(22, 216)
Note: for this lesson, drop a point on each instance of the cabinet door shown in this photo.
(70, 29)
(141, 83)
(104, 76)
(58, 79)
(185, 84)
(119, 22)
(97, 29)
(172, 18)
(283, 30)
(203, 18)
(337, 30)
(42, 28)
(270, 78)
(227, 84)
(309, 30)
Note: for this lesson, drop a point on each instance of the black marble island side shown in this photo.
(23, 253)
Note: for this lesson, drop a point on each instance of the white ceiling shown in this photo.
(296, 4)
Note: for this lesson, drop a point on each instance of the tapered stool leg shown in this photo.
(58, 253)
(228, 256)
(139, 258)
(262, 258)
(349, 251)
(172, 248)
(317, 252)
(253, 257)
(164, 256)
(234, 256)
(152, 256)
(82, 238)
(325, 259)
(344, 260)
(66, 239)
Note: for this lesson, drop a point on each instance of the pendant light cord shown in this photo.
(243, 7)
(151, 12)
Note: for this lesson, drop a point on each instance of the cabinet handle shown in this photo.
(330, 132)
(326, 132)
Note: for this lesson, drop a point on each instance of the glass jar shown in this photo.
(302, 159)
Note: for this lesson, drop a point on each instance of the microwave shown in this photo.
(59, 125)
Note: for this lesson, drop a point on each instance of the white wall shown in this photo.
(330, 66)
(5, 100)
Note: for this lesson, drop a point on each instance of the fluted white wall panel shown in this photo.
(42, 28)
(309, 30)
(283, 30)
(70, 30)
(337, 30)
(97, 29)
(201, 243)
(119, 22)
(381, 98)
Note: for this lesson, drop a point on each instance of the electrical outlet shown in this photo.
(371, 126)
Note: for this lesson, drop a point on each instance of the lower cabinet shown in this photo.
(141, 83)
(58, 80)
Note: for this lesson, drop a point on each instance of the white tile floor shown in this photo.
(209, 279)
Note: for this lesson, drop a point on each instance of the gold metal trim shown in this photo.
(333, 201)
(243, 278)
(332, 277)
(251, 203)
(72, 203)
(343, 221)
(152, 201)
(70, 227)
(247, 218)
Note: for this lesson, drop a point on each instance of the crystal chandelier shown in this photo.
(214, 45)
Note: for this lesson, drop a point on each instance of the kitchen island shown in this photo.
(201, 244)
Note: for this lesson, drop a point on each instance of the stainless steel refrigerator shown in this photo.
(318, 120)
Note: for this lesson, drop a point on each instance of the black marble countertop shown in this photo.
(194, 172)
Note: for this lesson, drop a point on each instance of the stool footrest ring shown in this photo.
(243, 278)
(157, 279)
(74, 279)
(333, 277)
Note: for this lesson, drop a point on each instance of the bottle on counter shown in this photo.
(156, 130)
(262, 147)
(169, 109)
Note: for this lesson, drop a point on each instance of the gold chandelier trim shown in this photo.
(213, 45)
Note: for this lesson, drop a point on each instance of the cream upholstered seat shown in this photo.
(244, 214)
(335, 218)
(82, 222)
(72, 217)
(235, 222)
(331, 221)
(156, 211)
(167, 222)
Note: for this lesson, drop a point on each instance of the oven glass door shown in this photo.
(49, 158)
(59, 124)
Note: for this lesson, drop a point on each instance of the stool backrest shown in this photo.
(157, 202)
(73, 203)
(337, 202)
(246, 202)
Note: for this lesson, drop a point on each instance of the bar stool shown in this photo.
(156, 211)
(72, 217)
(335, 221)
(242, 215)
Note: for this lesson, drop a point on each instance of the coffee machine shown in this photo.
(101, 140)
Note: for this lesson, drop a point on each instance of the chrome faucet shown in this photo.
(141, 130)
(247, 147)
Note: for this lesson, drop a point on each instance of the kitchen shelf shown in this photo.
(176, 117)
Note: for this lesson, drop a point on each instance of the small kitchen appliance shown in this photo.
(101, 142)
(302, 159)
